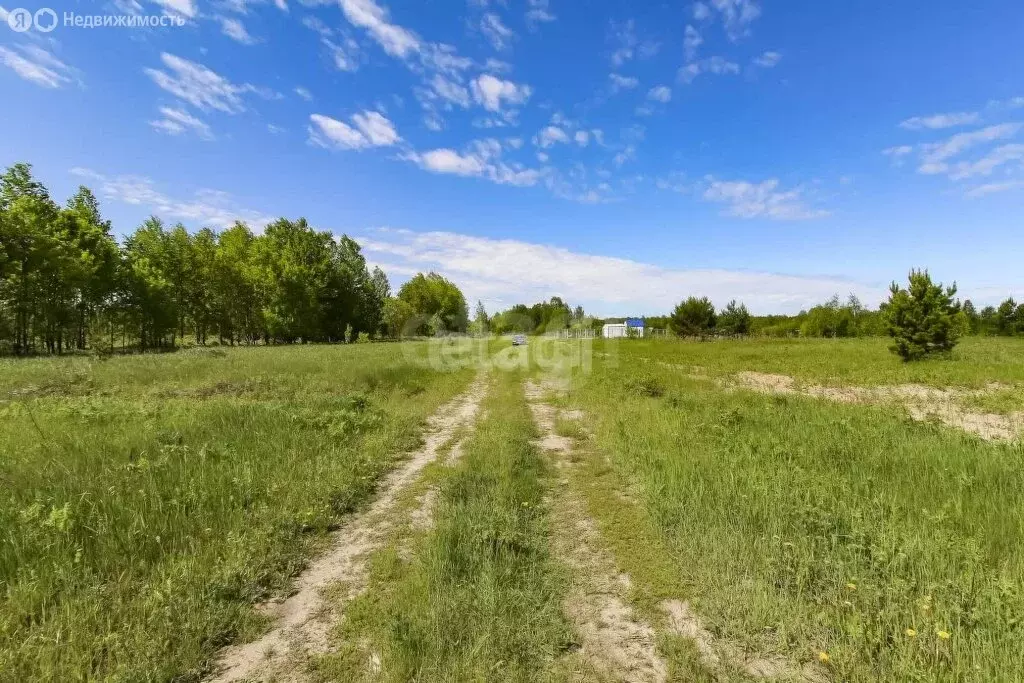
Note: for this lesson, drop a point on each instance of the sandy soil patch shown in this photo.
(922, 402)
(304, 619)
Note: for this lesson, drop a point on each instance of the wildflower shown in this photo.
(944, 635)
(851, 586)
(823, 657)
(911, 633)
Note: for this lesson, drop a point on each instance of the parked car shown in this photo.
(518, 340)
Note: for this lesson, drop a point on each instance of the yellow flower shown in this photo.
(943, 634)
(911, 632)
(823, 657)
(851, 586)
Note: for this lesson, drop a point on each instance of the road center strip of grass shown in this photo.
(477, 596)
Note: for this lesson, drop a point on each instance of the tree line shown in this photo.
(67, 284)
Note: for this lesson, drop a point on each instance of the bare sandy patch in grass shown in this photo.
(303, 620)
(684, 622)
(922, 403)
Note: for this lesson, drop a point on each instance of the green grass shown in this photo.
(975, 362)
(797, 526)
(146, 502)
(480, 597)
(1002, 401)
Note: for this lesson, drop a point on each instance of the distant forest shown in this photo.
(696, 317)
(67, 284)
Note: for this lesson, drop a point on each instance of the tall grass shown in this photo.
(480, 597)
(146, 502)
(801, 527)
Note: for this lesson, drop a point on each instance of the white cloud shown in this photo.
(449, 161)
(767, 59)
(207, 208)
(481, 159)
(235, 30)
(661, 93)
(1004, 154)
(366, 14)
(345, 54)
(376, 128)
(992, 188)
(201, 87)
(450, 91)
(760, 200)
(622, 82)
(304, 93)
(506, 272)
(500, 35)
(316, 25)
(936, 155)
(433, 122)
(539, 12)
(701, 11)
(624, 36)
(691, 41)
(371, 130)
(179, 121)
(550, 136)
(490, 92)
(497, 66)
(737, 16)
(582, 138)
(626, 154)
(185, 9)
(897, 153)
(38, 66)
(718, 66)
(939, 121)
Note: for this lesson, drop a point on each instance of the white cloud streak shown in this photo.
(936, 155)
(661, 93)
(36, 65)
(939, 121)
(497, 33)
(208, 208)
(178, 121)
(745, 199)
(369, 129)
(506, 272)
(200, 86)
(492, 93)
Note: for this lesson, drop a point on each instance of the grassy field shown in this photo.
(146, 502)
(802, 526)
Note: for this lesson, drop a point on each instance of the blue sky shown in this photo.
(621, 155)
